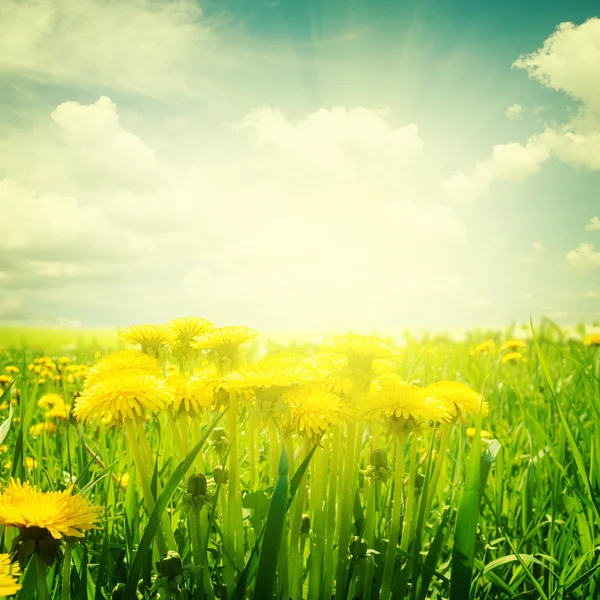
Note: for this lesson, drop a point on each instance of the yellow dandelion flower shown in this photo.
(224, 340)
(122, 395)
(60, 513)
(189, 398)
(59, 411)
(513, 345)
(123, 481)
(124, 360)
(459, 398)
(314, 409)
(64, 360)
(4, 380)
(4, 406)
(275, 371)
(593, 339)
(3, 448)
(401, 400)
(149, 337)
(11, 369)
(486, 435)
(44, 426)
(9, 573)
(30, 463)
(511, 357)
(186, 329)
(487, 347)
(49, 400)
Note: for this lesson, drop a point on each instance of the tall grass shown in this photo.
(439, 512)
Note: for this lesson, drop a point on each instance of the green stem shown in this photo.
(318, 495)
(66, 582)
(390, 558)
(233, 504)
(165, 519)
(42, 579)
(410, 496)
(347, 498)
(294, 557)
(334, 474)
(437, 468)
(144, 480)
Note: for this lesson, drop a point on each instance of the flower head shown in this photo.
(511, 357)
(123, 360)
(189, 398)
(122, 395)
(11, 369)
(186, 329)
(149, 337)
(314, 409)
(593, 339)
(398, 399)
(225, 341)
(44, 426)
(360, 352)
(487, 347)
(50, 400)
(9, 582)
(470, 431)
(459, 398)
(513, 345)
(60, 513)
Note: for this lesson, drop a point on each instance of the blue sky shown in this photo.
(299, 166)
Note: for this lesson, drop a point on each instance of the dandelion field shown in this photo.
(196, 463)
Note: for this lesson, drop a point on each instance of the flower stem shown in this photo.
(335, 473)
(437, 469)
(390, 557)
(144, 480)
(410, 496)
(66, 582)
(42, 579)
(347, 498)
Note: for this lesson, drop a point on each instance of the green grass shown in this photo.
(516, 517)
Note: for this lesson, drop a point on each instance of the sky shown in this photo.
(299, 165)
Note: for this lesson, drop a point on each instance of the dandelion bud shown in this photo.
(221, 474)
(196, 485)
(378, 458)
(305, 526)
(218, 435)
(358, 547)
(170, 565)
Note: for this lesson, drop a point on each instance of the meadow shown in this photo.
(190, 461)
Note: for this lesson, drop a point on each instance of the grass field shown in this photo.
(205, 465)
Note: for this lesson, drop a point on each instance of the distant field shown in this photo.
(55, 339)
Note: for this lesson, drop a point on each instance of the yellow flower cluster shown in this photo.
(60, 513)
(350, 375)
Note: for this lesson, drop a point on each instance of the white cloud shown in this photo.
(593, 225)
(342, 141)
(100, 151)
(514, 112)
(509, 162)
(89, 42)
(584, 258)
(269, 230)
(592, 295)
(568, 61)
